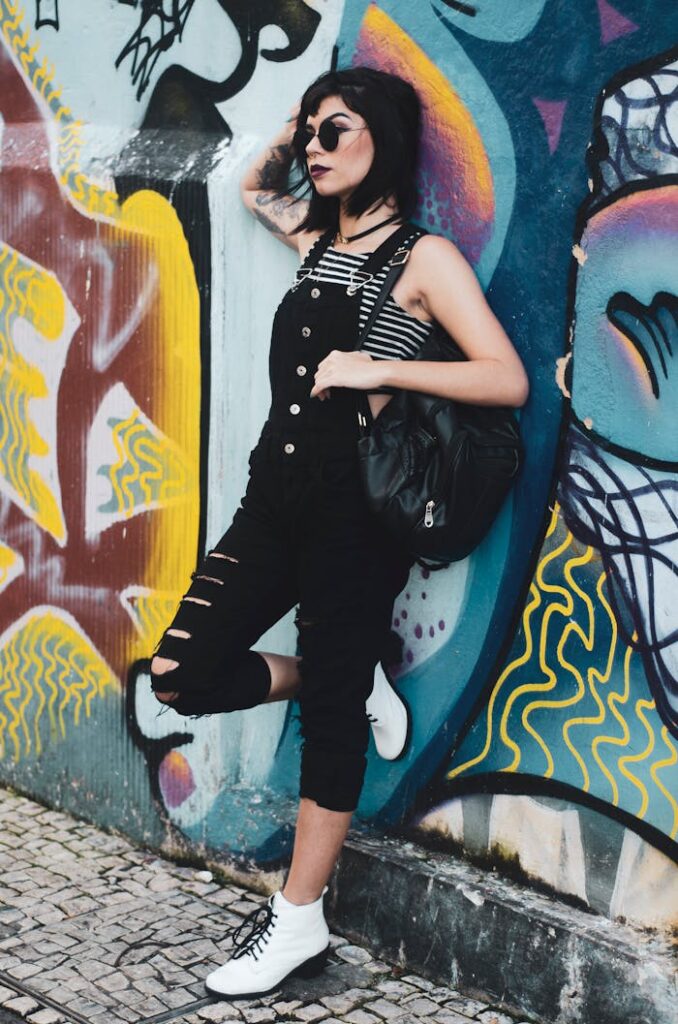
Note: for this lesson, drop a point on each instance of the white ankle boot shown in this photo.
(389, 717)
(278, 940)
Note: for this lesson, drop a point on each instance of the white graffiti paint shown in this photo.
(221, 751)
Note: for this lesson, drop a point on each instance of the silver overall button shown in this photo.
(315, 292)
(295, 409)
(289, 448)
(301, 371)
(306, 332)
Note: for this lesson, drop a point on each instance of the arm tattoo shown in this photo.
(275, 171)
(279, 210)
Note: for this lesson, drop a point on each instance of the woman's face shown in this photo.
(337, 172)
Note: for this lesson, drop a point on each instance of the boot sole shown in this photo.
(309, 969)
(408, 734)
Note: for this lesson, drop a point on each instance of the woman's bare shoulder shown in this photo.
(430, 248)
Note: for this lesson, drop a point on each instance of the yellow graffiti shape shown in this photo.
(50, 674)
(11, 565)
(32, 297)
(594, 677)
(150, 610)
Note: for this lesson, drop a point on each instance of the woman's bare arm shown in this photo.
(449, 292)
(441, 284)
(262, 184)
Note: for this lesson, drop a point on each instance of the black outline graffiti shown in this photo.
(146, 52)
(611, 162)
(461, 7)
(47, 20)
(583, 494)
(159, 30)
(647, 328)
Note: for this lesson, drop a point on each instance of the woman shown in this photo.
(303, 534)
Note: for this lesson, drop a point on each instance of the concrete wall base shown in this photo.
(493, 939)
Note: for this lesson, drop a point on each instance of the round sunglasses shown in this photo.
(328, 135)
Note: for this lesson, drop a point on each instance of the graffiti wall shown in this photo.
(135, 304)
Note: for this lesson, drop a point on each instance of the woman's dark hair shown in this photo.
(392, 112)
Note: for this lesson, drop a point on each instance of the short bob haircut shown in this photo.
(392, 111)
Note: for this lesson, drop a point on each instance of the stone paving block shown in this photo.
(7, 961)
(175, 997)
(311, 1013)
(450, 1017)
(259, 1015)
(6, 993)
(113, 982)
(385, 1009)
(361, 1017)
(378, 967)
(353, 954)
(422, 983)
(347, 1001)
(285, 1007)
(471, 1007)
(395, 988)
(24, 971)
(149, 1007)
(22, 1005)
(45, 1016)
(419, 1004)
(494, 1017)
(220, 1012)
(59, 993)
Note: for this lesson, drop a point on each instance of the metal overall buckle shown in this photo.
(400, 256)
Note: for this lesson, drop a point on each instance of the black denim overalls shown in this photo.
(302, 536)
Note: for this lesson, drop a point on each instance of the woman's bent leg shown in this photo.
(244, 585)
(283, 669)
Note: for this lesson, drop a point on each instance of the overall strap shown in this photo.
(317, 250)
(397, 255)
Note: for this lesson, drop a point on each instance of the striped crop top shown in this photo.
(395, 334)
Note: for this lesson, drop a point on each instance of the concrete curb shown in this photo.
(490, 938)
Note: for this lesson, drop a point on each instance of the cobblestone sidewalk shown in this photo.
(94, 930)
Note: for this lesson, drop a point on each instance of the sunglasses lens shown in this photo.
(328, 136)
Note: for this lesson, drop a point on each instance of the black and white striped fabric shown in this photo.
(395, 334)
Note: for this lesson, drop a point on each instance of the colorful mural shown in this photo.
(541, 671)
(97, 295)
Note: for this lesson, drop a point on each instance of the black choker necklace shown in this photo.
(344, 239)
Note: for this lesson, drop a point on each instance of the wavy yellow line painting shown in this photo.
(50, 674)
(28, 399)
(538, 711)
